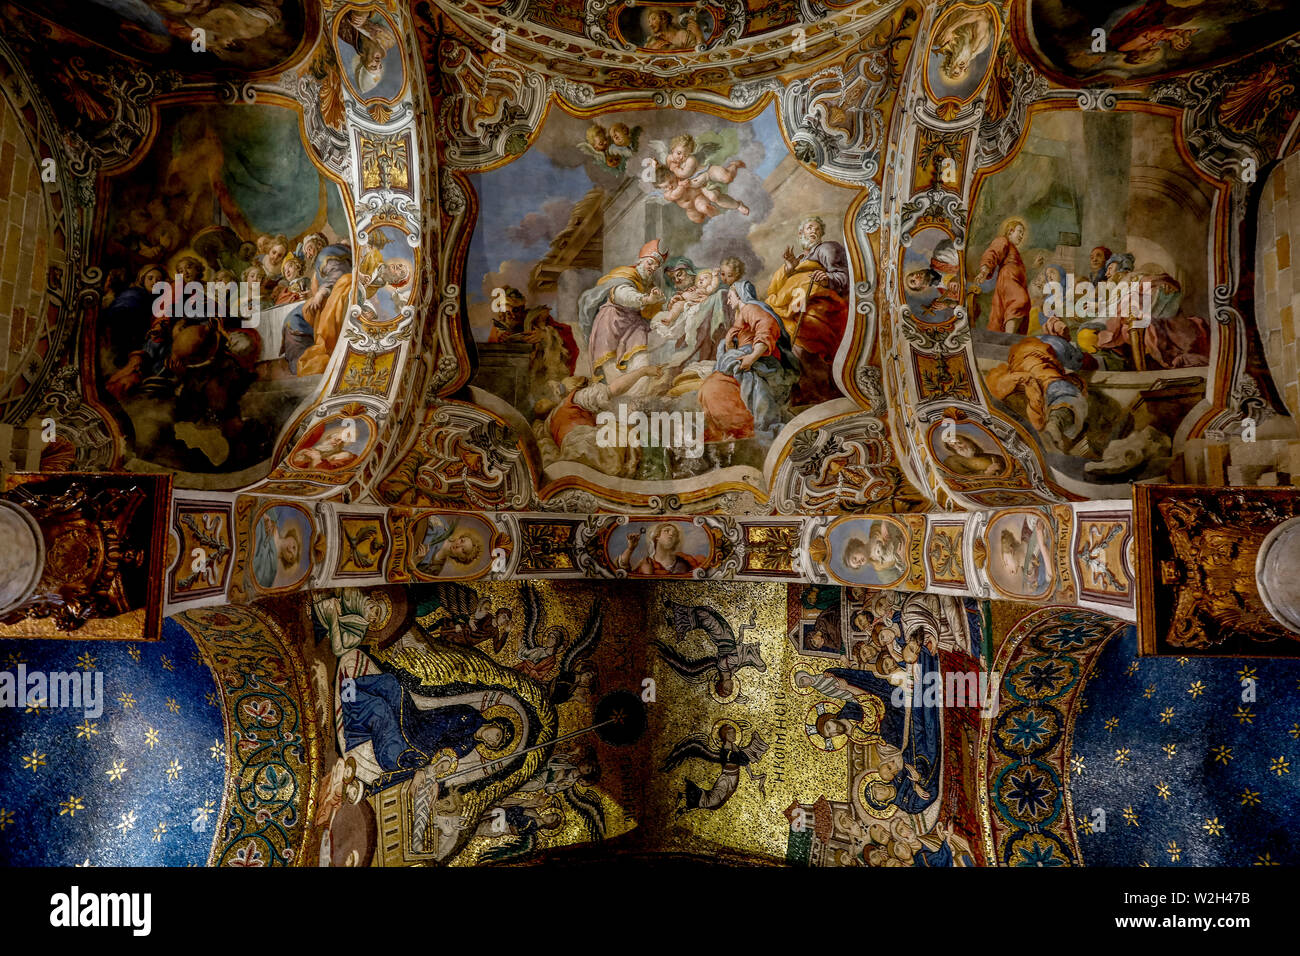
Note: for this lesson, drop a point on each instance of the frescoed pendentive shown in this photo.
(961, 51)
(931, 275)
(967, 450)
(660, 263)
(225, 194)
(1096, 222)
(330, 448)
(388, 275)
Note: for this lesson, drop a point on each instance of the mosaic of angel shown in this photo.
(721, 747)
(719, 668)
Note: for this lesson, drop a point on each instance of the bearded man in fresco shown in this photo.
(614, 316)
(372, 39)
(810, 293)
(312, 329)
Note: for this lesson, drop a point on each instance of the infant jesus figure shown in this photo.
(706, 281)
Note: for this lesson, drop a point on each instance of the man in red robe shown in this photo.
(1010, 311)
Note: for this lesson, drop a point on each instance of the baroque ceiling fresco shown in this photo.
(797, 433)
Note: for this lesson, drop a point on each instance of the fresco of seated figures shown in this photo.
(658, 293)
(1087, 284)
(222, 194)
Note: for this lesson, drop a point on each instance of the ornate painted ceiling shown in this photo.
(971, 323)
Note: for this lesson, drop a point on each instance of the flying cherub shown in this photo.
(684, 176)
(623, 140)
(611, 148)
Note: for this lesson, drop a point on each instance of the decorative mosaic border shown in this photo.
(273, 755)
(1024, 796)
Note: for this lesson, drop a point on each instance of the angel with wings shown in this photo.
(721, 747)
(469, 620)
(539, 646)
(719, 669)
(684, 176)
(548, 655)
(576, 679)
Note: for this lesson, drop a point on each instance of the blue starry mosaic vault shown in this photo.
(1188, 770)
(139, 785)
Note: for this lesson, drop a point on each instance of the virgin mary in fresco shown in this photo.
(756, 368)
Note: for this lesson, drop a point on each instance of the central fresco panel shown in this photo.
(657, 293)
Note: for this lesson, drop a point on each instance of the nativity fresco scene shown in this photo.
(501, 433)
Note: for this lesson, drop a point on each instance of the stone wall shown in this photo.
(1277, 293)
(23, 227)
